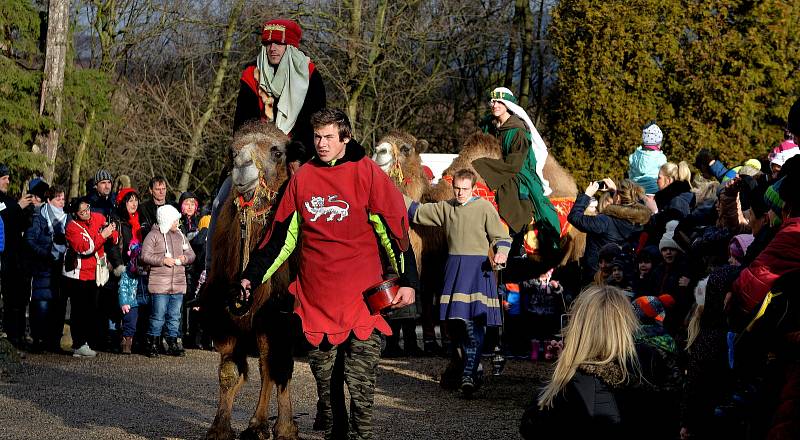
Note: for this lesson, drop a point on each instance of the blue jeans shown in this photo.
(166, 307)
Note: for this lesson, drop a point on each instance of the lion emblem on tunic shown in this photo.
(319, 208)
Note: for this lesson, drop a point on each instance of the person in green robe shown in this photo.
(517, 179)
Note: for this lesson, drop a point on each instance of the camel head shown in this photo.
(397, 148)
(259, 151)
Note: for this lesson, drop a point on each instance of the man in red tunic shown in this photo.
(342, 211)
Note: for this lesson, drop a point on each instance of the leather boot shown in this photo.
(127, 344)
(174, 348)
(151, 350)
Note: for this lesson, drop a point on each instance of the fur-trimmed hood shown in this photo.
(637, 213)
(610, 373)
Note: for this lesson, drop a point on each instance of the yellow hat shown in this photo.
(754, 163)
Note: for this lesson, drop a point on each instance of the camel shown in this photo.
(258, 156)
(397, 154)
(481, 145)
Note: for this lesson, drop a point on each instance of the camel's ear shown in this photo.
(421, 146)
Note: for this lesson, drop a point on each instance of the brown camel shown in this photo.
(258, 156)
(397, 154)
(480, 145)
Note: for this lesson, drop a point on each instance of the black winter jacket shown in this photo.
(595, 405)
(615, 225)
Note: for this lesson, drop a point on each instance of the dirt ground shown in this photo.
(132, 397)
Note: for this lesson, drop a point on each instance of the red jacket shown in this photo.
(83, 243)
(781, 256)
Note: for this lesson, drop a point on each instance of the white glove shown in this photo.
(118, 270)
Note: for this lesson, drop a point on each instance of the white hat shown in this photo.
(784, 155)
(652, 135)
(668, 239)
(700, 292)
(166, 216)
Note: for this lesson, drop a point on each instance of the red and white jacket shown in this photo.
(84, 245)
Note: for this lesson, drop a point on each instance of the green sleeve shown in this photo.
(396, 258)
(289, 244)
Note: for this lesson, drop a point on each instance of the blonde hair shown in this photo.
(680, 171)
(629, 192)
(604, 200)
(697, 314)
(600, 332)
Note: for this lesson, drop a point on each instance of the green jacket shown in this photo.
(518, 188)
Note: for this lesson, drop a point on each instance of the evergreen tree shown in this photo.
(718, 75)
(20, 85)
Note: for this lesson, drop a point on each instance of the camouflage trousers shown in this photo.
(360, 368)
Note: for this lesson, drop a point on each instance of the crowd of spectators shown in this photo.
(683, 304)
(114, 267)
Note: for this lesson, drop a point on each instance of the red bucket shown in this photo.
(380, 295)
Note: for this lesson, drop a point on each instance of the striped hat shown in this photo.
(652, 307)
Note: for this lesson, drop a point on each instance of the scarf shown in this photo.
(289, 80)
(136, 228)
(56, 220)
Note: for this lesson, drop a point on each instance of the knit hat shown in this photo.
(784, 155)
(755, 200)
(281, 31)
(652, 307)
(166, 216)
(650, 254)
(4, 170)
(652, 135)
(700, 292)
(124, 192)
(38, 187)
(787, 144)
(773, 198)
(609, 252)
(668, 239)
(738, 246)
(102, 175)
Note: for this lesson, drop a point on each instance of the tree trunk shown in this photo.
(53, 84)
(357, 75)
(213, 99)
(527, 41)
(77, 161)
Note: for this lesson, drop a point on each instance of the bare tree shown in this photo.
(213, 99)
(53, 84)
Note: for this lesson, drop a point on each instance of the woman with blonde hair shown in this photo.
(605, 385)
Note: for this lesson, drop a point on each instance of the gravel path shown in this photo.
(132, 397)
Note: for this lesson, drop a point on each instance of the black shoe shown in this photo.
(498, 364)
(151, 350)
(431, 348)
(174, 348)
(467, 387)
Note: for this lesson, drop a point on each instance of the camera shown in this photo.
(601, 186)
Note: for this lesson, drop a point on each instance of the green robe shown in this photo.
(516, 184)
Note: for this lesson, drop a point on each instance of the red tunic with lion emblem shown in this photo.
(334, 215)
